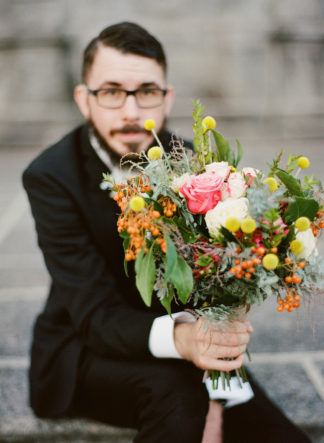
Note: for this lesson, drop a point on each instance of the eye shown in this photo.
(148, 91)
(111, 92)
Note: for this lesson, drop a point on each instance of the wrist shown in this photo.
(181, 335)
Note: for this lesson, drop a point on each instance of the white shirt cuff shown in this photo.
(233, 396)
(161, 340)
(161, 345)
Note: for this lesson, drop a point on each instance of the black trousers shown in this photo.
(167, 402)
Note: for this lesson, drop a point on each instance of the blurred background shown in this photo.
(256, 65)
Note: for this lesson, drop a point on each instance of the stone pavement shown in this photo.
(287, 355)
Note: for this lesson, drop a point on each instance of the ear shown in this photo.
(169, 99)
(81, 99)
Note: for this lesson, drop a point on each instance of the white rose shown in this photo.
(236, 185)
(309, 242)
(221, 169)
(231, 207)
(178, 182)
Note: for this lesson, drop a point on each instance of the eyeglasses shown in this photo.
(113, 98)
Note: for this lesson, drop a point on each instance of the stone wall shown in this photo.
(245, 59)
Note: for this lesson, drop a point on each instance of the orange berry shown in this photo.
(261, 251)
(280, 308)
(296, 304)
(155, 232)
(274, 250)
(296, 279)
(256, 261)
(251, 270)
(233, 270)
(253, 248)
(288, 260)
(288, 279)
(297, 297)
(239, 275)
(156, 214)
(280, 302)
(248, 275)
(237, 262)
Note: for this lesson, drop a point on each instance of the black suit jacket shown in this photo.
(91, 302)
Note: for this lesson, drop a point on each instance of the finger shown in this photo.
(249, 327)
(222, 365)
(226, 351)
(227, 339)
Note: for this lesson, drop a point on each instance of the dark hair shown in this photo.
(127, 37)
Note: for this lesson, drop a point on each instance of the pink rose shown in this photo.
(202, 192)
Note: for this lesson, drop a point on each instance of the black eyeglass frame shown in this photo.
(134, 92)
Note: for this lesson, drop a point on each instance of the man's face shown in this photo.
(123, 128)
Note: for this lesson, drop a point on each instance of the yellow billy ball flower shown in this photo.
(248, 225)
(233, 169)
(149, 125)
(270, 261)
(209, 122)
(272, 183)
(137, 203)
(302, 223)
(303, 162)
(232, 224)
(296, 246)
(154, 153)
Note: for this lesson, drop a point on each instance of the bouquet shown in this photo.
(217, 239)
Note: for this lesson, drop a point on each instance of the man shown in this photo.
(97, 350)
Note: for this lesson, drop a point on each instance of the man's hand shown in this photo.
(205, 347)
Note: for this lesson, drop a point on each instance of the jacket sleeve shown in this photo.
(85, 288)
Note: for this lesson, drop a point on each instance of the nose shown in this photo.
(131, 111)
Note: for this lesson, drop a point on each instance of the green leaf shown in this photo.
(302, 207)
(291, 183)
(182, 280)
(171, 258)
(223, 147)
(239, 153)
(204, 260)
(145, 275)
(167, 300)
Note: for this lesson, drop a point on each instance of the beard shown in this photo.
(133, 154)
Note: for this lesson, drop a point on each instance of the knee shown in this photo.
(178, 403)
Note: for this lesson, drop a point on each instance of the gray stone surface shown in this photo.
(17, 319)
(288, 386)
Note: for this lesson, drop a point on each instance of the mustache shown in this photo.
(129, 128)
